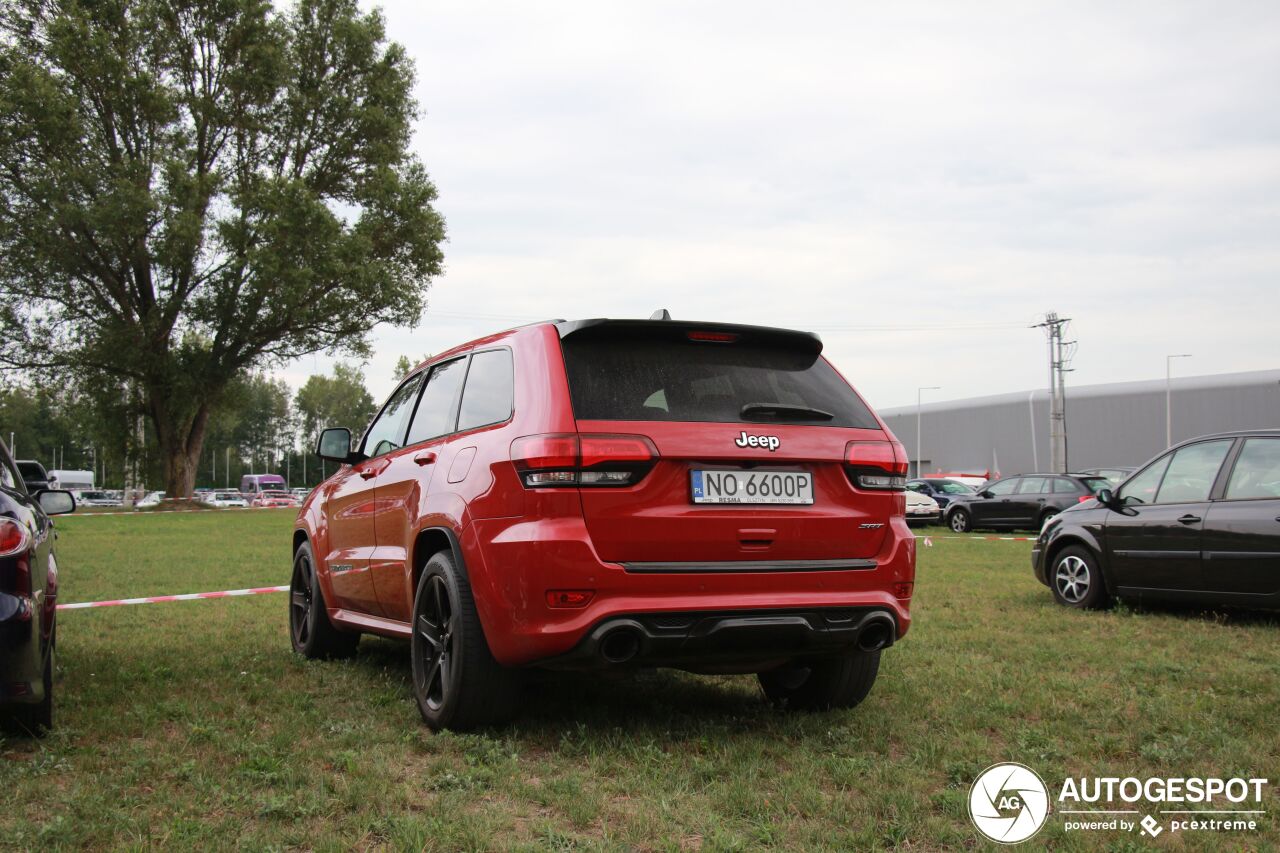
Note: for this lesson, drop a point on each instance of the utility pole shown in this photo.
(919, 391)
(1168, 396)
(1060, 354)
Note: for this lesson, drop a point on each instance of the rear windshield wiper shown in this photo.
(785, 412)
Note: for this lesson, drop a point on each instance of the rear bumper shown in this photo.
(728, 640)
(513, 563)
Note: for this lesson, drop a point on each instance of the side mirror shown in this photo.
(334, 445)
(56, 501)
(984, 493)
(1106, 497)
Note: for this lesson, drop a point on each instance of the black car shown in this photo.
(1024, 501)
(1200, 523)
(1117, 474)
(941, 489)
(28, 595)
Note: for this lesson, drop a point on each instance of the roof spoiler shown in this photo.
(681, 330)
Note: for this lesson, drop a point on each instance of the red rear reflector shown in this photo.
(713, 337)
(14, 538)
(569, 597)
(902, 589)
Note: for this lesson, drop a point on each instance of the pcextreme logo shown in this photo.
(1008, 803)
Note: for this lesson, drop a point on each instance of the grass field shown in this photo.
(193, 725)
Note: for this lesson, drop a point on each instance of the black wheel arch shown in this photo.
(431, 541)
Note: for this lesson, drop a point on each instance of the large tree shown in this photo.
(191, 189)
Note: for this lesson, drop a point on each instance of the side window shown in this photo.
(1257, 471)
(387, 432)
(1192, 472)
(487, 397)
(434, 416)
(1064, 487)
(1004, 487)
(1033, 486)
(1141, 488)
(918, 487)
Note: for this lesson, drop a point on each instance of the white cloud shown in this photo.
(829, 164)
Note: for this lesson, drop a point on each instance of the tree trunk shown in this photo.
(181, 442)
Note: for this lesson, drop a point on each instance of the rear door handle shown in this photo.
(1190, 519)
(426, 457)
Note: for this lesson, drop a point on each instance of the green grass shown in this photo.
(193, 725)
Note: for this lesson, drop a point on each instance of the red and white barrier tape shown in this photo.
(189, 596)
(983, 538)
(170, 511)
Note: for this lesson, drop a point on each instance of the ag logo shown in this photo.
(1008, 803)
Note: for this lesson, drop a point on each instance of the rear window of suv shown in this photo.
(638, 379)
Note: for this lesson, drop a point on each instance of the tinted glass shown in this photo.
(1033, 486)
(387, 432)
(642, 379)
(1192, 471)
(1096, 484)
(918, 487)
(1063, 486)
(1257, 471)
(949, 487)
(1004, 487)
(1141, 489)
(434, 416)
(486, 399)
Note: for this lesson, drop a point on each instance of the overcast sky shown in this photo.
(919, 183)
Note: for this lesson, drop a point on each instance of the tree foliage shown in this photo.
(191, 189)
(340, 400)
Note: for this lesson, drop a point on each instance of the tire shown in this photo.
(1045, 516)
(959, 521)
(1076, 580)
(456, 682)
(819, 685)
(312, 634)
(37, 720)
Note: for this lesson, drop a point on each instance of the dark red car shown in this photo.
(28, 598)
(612, 493)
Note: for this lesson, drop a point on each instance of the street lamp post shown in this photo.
(919, 392)
(1168, 396)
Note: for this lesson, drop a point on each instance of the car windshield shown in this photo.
(951, 487)
(276, 495)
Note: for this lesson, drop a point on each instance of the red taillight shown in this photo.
(903, 589)
(14, 538)
(877, 464)
(1084, 498)
(712, 337)
(568, 459)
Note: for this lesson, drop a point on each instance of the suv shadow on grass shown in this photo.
(641, 702)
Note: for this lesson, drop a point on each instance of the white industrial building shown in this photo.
(1122, 423)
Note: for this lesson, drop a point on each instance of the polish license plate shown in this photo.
(752, 487)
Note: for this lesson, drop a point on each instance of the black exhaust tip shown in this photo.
(876, 634)
(620, 645)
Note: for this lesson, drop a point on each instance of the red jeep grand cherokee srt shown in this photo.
(612, 493)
